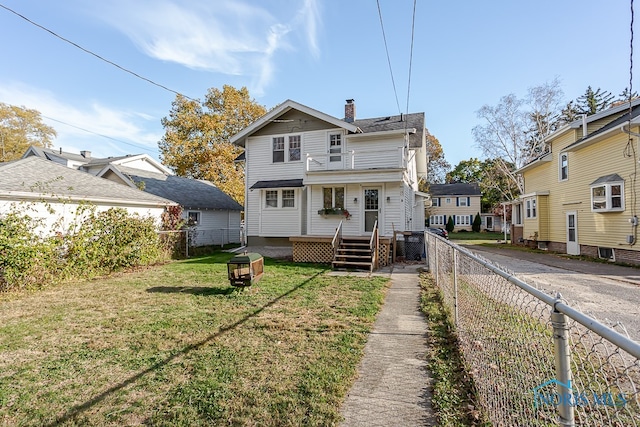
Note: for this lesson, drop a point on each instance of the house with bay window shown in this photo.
(580, 197)
(461, 201)
(320, 183)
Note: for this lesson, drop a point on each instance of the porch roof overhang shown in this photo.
(354, 176)
(278, 183)
(546, 157)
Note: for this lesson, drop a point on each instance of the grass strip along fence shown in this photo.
(534, 360)
(177, 345)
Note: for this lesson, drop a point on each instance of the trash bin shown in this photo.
(245, 269)
(414, 245)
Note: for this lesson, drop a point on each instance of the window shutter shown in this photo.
(470, 219)
(457, 201)
(468, 201)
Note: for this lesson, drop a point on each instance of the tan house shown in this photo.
(461, 201)
(581, 197)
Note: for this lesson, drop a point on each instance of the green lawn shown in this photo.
(473, 238)
(176, 345)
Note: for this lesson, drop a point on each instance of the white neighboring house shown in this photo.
(52, 192)
(214, 215)
(306, 172)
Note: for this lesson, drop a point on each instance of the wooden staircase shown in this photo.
(353, 253)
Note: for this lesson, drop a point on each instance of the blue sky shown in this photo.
(318, 52)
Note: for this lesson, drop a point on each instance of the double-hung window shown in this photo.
(333, 197)
(530, 208)
(278, 149)
(294, 148)
(286, 148)
(271, 198)
(607, 197)
(564, 167)
(280, 198)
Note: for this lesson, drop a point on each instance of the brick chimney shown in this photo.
(86, 154)
(350, 111)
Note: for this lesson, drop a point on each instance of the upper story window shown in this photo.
(564, 167)
(335, 146)
(447, 200)
(530, 208)
(463, 201)
(607, 194)
(294, 148)
(333, 197)
(436, 201)
(286, 148)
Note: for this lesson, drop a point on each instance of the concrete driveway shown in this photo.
(607, 292)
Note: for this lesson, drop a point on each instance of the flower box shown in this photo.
(334, 211)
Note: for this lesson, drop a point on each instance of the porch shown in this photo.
(320, 249)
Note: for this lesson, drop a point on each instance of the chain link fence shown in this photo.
(535, 360)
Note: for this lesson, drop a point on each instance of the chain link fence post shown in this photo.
(455, 287)
(562, 354)
(435, 250)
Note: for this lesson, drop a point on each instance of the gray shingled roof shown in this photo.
(608, 178)
(47, 153)
(187, 192)
(408, 121)
(455, 189)
(37, 176)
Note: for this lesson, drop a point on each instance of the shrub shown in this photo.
(477, 223)
(450, 225)
(94, 244)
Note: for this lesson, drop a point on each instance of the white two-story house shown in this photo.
(311, 177)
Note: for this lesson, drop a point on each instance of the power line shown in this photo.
(94, 54)
(101, 135)
(384, 37)
(413, 24)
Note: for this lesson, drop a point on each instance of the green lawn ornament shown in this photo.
(245, 269)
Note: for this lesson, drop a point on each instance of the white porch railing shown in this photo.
(392, 158)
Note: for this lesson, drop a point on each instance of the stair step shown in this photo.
(354, 250)
(343, 263)
(353, 256)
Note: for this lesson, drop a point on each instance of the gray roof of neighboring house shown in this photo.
(187, 192)
(455, 189)
(47, 153)
(408, 121)
(36, 176)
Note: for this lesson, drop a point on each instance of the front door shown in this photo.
(573, 247)
(371, 208)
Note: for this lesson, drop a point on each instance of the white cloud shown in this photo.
(134, 131)
(226, 36)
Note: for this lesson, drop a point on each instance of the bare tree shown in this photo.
(515, 130)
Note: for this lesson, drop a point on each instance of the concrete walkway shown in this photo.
(393, 385)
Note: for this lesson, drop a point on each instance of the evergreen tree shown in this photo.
(450, 226)
(594, 101)
(477, 223)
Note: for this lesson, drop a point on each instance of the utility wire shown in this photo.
(94, 54)
(384, 37)
(149, 150)
(413, 25)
